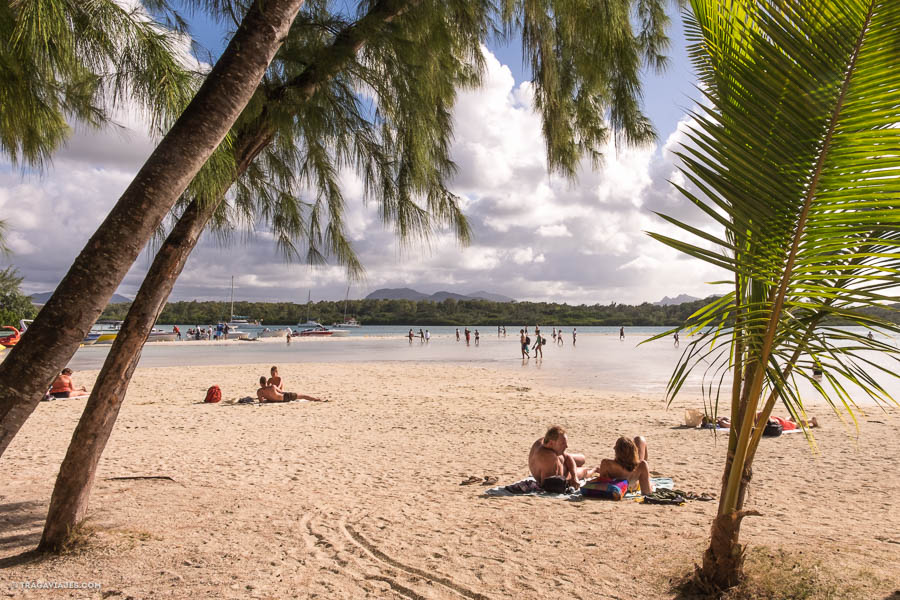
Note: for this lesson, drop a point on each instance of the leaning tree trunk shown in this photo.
(96, 273)
(71, 493)
(76, 474)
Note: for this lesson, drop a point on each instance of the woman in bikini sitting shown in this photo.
(62, 386)
(630, 463)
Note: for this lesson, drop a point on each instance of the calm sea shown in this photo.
(598, 360)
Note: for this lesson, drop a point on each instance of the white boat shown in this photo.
(158, 335)
(351, 322)
(274, 333)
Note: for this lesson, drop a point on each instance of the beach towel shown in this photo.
(530, 487)
(607, 489)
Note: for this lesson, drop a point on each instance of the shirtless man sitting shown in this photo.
(630, 463)
(548, 458)
(269, 393)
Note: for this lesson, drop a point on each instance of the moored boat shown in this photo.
(274, 333)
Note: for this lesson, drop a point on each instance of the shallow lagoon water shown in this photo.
(599, 360)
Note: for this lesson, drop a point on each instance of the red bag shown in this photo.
(213, 394)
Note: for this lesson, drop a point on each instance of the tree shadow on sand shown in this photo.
(24, 521)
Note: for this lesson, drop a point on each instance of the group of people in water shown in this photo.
(555, 468)
(540, 341)
(272, 390)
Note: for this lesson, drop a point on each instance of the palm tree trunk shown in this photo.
(96, 273)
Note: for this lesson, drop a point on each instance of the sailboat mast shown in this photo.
(346, 299)
(308, 297)
(231, 316)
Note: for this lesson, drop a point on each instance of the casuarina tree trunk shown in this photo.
(76, 476)
(96, 273)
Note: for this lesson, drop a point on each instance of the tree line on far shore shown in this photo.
(425, 312)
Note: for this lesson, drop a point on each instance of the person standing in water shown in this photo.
(477, 337)
(621, 333)
(538, 346)
(457, 334)
(574, 335)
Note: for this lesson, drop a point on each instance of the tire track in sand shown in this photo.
(373, 551)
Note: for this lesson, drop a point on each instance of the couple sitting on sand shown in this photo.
(555, 469)
(271, 390)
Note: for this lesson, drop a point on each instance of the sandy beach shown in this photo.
(361, 497)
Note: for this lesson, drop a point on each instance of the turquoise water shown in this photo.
(599, 360)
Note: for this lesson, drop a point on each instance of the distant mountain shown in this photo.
(397, 294)
(42, 297)
(492, 297)
(410, 294)
(679, 299)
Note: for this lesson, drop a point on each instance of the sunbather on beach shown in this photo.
(548, 458)
(62, 386)
(275, 380)
(630, 463)
(269, 393)
(786, 424)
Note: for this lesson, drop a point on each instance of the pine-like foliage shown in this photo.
(385, 110)
(73, 60)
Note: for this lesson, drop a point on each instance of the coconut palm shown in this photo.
(793, 157)
(305, 122)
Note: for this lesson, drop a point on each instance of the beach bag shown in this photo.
(607, 489)
(527, 341)
(213, 394)
(773, 429)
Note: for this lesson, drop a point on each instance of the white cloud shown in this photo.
(536, 235)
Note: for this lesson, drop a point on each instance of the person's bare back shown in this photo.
(548, 458)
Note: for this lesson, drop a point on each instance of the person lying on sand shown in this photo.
(269, 393)
(548, 458)
(786, 424)
(630, 463)
(62, 386)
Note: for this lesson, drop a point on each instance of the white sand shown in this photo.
(360, 496)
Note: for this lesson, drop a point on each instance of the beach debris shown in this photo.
(470, 480)
(138, 477)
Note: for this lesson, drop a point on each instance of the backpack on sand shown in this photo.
(213, 394)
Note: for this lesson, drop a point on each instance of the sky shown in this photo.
(537, 237)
